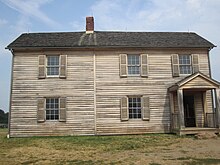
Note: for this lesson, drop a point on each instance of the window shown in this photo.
(52, 65)
(52, 109)
(133, 64)
(185, 64)
(134, 107)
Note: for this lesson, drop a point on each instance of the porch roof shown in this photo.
(196, 81)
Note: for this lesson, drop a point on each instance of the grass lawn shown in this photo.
(152, 149)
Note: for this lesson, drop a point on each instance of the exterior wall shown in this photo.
(199, 111)
(77, 88)
(110, 88)
(93, 98)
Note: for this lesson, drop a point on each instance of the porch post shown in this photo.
(217, 101)
(180, 108)
(204, 107)
(171, 112)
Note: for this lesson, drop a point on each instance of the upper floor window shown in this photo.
(185, 64)
(53, 65)
(133, 64)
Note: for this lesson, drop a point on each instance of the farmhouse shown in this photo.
(106, 82)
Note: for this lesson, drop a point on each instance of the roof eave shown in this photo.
(94, 47)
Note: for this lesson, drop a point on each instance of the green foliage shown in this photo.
(3, 117)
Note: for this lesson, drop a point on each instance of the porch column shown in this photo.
(171, 112)
(180, 108)
(217, 100)
(204, 107)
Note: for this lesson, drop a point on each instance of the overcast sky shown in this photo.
(22, 16)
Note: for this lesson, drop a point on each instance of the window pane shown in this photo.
(134, 107)
(185, 69)
(52, 65)
(52, 109)
(185, 64)
(133, 64)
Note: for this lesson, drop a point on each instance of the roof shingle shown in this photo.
(111, 39)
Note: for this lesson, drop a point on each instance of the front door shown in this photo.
(189, 111)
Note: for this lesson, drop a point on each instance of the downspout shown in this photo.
(94, 90)
(10, 100)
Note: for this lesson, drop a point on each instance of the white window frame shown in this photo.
(132, 111)
(49, 108)
(188, 64)
(53, 66)
(134, 65)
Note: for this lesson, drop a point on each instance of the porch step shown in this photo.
(195, 130)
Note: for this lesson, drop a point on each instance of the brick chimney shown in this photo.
(89, 24)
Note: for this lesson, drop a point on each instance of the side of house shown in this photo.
(89, 92)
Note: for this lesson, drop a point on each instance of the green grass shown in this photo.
(89, 150)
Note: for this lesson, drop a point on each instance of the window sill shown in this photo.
(135, 75)
(57, 76)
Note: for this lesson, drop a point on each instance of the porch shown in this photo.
(210, 125)
(192, 105)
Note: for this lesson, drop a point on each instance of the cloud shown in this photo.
(31, 8)
(3, 22)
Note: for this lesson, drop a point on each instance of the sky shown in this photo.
(26, 16)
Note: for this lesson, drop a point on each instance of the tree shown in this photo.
(3, 117)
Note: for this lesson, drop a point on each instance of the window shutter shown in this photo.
(175, 65)
(195, 63)
(41, 66)
(124, 109)
(41, 110)
(123, 65)
(63, 63)
(62, 109)
(145, 101)
(144, 65)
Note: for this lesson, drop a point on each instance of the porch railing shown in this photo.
(210, 120)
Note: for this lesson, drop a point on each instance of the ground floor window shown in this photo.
(134, 104)
(52, 109)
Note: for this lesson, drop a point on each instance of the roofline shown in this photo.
(95, 47)
(187, 79)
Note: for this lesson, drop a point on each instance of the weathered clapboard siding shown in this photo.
(77, 88)
(109, 88)
(199, 111)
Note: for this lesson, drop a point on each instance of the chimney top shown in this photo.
(89, 24)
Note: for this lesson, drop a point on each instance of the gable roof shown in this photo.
(196, 80)
(110, 39)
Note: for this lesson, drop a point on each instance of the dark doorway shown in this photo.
(189, 111)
